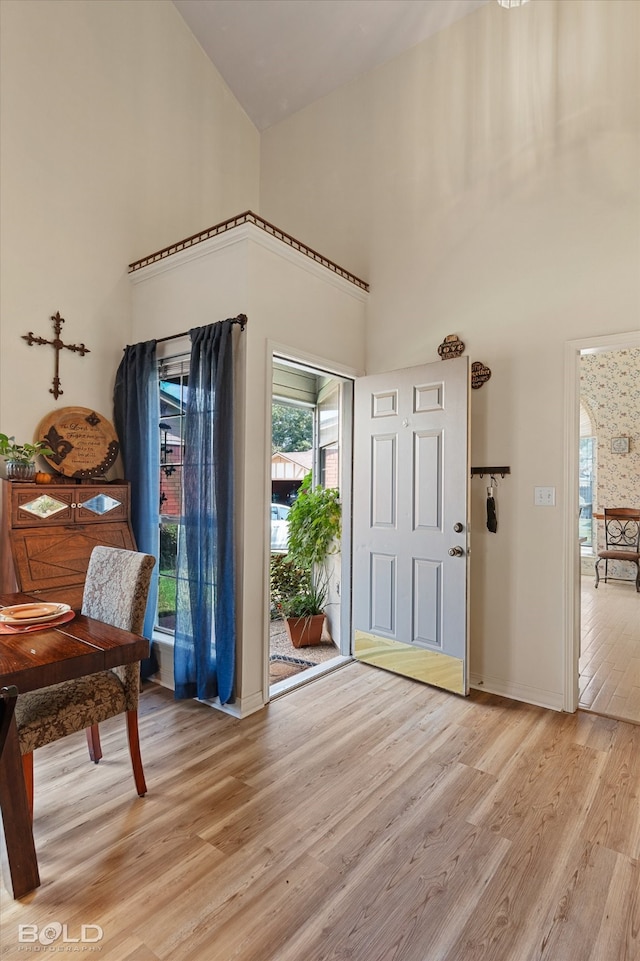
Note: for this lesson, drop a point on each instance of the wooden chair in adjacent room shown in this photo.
(115, 592)
(622, 540)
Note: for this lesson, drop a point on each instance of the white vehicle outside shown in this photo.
(279, 528)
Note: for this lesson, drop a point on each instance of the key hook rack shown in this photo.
(492, 471)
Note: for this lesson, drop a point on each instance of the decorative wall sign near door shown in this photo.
(84, 443)
(451, 347)
(480, 374)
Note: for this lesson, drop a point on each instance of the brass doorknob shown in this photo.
(456, 551)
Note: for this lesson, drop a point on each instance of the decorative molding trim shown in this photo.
(247, 233)
(553, 700)
(333, 278)
(203, 249)
(248, 217)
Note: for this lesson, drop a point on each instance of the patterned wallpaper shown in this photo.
(610, 392)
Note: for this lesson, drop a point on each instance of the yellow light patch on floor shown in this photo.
(430, 667)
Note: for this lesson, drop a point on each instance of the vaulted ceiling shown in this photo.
(278, 56)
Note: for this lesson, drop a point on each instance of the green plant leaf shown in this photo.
(314, 524)
(21, 453)
(299, 579)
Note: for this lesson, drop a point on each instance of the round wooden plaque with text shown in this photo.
(84, 443)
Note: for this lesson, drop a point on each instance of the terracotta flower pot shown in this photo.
(305, 631)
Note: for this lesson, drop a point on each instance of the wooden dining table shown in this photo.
(30, 661)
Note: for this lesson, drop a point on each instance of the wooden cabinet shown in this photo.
(49, 531)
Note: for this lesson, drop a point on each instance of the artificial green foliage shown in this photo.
(314, 525)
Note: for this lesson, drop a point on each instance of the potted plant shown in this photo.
(20, 458)
(314, 529)
(304, 616)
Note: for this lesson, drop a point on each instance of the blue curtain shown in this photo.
(136, 415)
(205, 634)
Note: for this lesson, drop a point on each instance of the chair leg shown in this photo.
(134, 750)
(27, 770)
(597, 572)
(93, 742)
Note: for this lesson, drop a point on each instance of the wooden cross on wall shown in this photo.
(57, 345)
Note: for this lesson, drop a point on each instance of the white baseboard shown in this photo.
(553, 700)
(241, 707)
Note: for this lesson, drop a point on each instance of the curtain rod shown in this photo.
(240, 319)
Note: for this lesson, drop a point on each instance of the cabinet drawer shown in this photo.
(43, 506)
(59, 556)
(99, 505)
(51, 506)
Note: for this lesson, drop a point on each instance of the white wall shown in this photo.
(487, 183)
(117, 137)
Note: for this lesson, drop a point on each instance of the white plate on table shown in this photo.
(34, 613)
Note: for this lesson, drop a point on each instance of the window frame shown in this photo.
(171, 365)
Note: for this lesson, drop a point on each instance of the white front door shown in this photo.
(410, 533)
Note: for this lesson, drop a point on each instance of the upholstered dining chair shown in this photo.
(622, 540)
(115, 592)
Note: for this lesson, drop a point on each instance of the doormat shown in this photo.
(283, 666)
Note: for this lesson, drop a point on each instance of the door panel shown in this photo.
(411, 476)
(427, 602)
(383, 592)
(384, 472)
(427, 473)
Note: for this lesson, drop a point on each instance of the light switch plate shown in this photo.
(544, 496)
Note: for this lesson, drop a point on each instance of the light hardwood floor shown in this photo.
(364, 817)
(610, 649)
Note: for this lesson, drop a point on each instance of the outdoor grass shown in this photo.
(166, 596)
